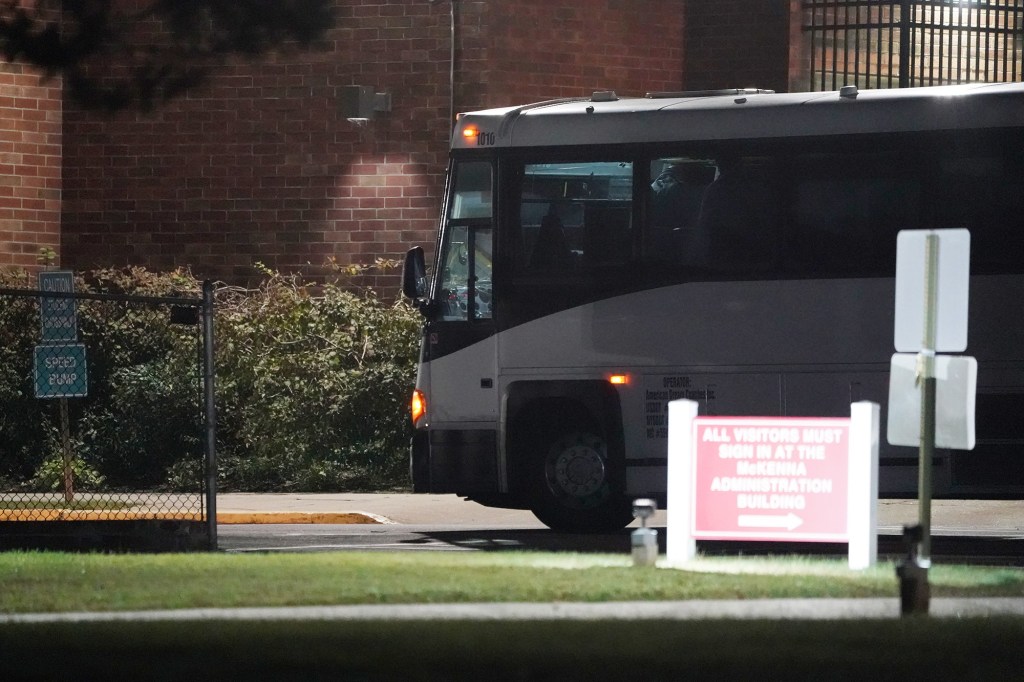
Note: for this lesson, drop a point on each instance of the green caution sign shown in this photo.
(58, 317)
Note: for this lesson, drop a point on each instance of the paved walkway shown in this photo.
(744, 609)
(992, 518)
(995, 518)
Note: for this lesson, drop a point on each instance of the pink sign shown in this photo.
(776, 479)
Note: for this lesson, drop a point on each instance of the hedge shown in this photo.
(313, 382)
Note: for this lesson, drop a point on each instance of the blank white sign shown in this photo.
(956, 379)
(954, 260)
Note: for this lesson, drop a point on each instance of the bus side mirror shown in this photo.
(414, 275)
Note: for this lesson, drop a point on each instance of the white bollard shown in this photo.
(645, 547)
(644, 540)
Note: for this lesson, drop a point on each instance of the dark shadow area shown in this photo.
(1001, 551)
(152, 535)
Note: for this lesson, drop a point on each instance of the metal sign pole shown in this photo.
(210, 410)
(926, 376)
(67, 455)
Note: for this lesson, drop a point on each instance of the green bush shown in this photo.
(50, 476)
(22, 428)
(312, 386)
(113, 427)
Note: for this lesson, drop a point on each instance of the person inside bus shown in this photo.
(738, 221)
(675, 200)
(551, 251)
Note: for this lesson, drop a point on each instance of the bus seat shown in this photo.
(606, 237)
(738, 223)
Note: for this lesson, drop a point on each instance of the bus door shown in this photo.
(459, 375)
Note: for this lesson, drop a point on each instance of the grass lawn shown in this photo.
(911, 648)
(49, 581)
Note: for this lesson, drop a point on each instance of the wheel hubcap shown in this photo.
(575, 470)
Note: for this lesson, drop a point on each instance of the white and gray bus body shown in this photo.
(598, 258)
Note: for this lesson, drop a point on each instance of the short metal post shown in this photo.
(644, 540)
(210, 414)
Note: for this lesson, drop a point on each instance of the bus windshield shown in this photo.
(464, 289)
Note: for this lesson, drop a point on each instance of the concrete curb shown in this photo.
(302, 517)
(222, 517)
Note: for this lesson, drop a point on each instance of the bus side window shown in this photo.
(848, 224)
(738, 223)
(981, 192)
(572, 216)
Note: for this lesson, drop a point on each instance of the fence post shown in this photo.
(906, 44)
(211, 414)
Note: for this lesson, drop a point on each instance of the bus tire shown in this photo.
(575, 490)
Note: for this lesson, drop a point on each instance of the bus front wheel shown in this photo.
(575, 490)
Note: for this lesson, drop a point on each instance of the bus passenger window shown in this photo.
(739, 218)
(981, 191)
(574, 215)
(848, 225)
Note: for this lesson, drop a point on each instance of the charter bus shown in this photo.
(600, 257)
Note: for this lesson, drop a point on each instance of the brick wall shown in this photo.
(30, 165)
(260, 165)
(537, 49)
(739, 43)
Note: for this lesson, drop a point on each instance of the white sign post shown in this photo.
(681, 546)
(932, 282)
(862, 499)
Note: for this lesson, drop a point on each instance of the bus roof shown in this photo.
(741, 114)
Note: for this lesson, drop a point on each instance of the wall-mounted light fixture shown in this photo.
(359, 103)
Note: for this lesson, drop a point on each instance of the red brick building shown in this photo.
(260, 164)
(30, 165)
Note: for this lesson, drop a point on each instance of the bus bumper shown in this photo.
(419, 461)
(464, 462)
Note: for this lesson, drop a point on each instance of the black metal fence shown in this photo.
(106, 407)
(908, 43)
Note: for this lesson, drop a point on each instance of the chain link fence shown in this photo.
(106, 409)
